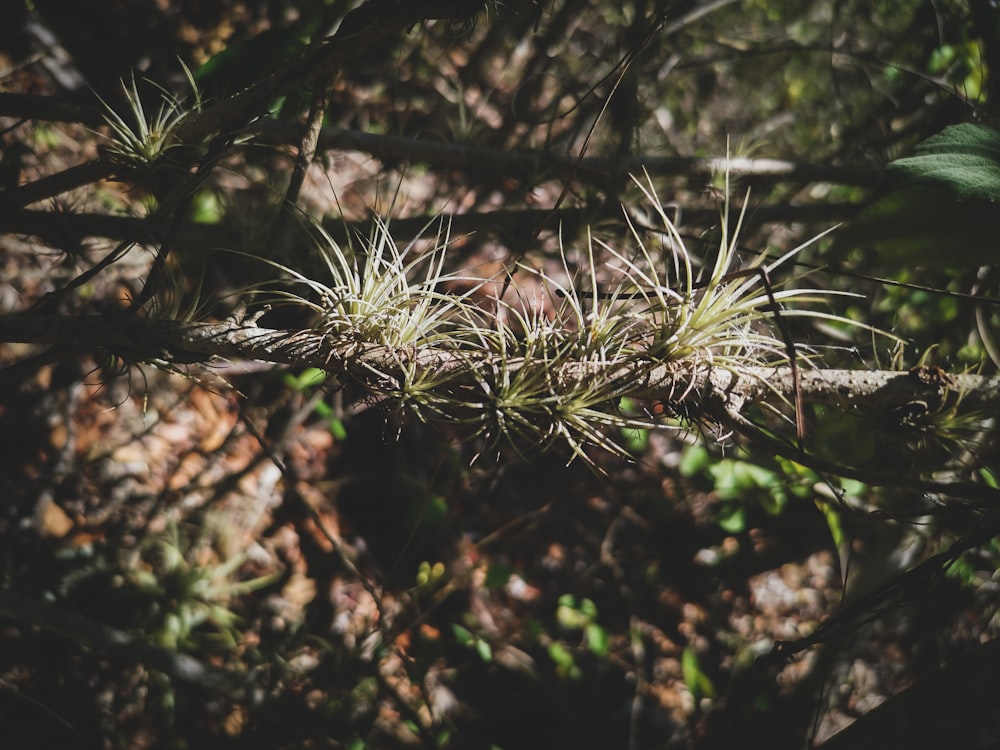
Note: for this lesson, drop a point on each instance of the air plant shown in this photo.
(542, 375)
(140, 139)
(370, 296)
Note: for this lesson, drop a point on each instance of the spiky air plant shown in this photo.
(381, 319)
(547, 372)
(657, 315)
(530, 391)
(140, 139)
(374, 296)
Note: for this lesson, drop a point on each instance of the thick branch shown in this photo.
(59, 226)
(860, 389)
(51, 108)
(56, 184)
(718, 394)
(535, 165)
(140, 338)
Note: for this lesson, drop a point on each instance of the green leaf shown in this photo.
(694, 460)
(939, 208)
(462, 635)
(467, 638)
(337, 429)
(569, 615)
(497, 575)
(738, 480)
(484, 650)
(697, 681)
(636, 441)
(308, 378)
(963, 161)
(596, 638)
(732, 518)
(563, 659)
(206, 208)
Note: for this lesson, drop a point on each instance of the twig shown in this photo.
(304, 157)
(367, 26)
(56, 184)
(903, 587)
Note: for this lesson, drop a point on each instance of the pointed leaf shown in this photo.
(939, 208)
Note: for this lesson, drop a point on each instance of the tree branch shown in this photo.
(56, 184)
(535, 165)
(57, 227)
(139, 339)
(714, 393)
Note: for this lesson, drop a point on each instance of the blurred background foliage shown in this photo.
(382, 588)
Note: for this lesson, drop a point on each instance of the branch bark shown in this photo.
(138, 339)
(58, 227)
(717, 394)
(537, 164)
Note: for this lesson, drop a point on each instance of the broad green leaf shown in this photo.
(939, 208)
(243, 62)
(963, 160)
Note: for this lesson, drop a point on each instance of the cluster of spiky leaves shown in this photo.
(140, 139)
(538, 372)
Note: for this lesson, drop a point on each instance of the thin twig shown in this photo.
(304, 157)
(55, 225)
